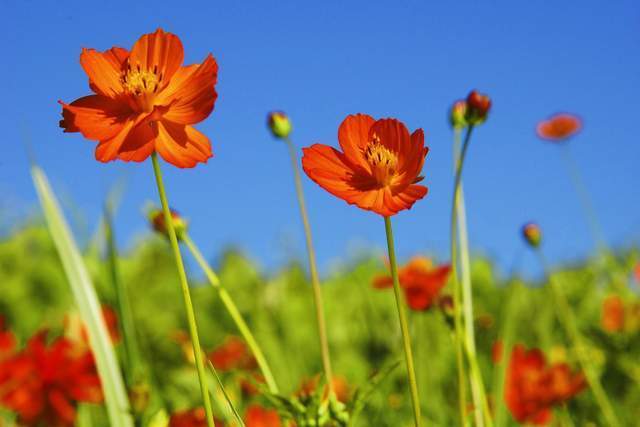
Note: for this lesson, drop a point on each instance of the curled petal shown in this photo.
(191, 93)
(97, 117)
(182, 146)
(353, 137)
(104, 70)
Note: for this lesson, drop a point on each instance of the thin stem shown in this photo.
(458, 217)
(457, 313)
(585, 200)
(313, 270)
(233, 311)
(565, 314)
(403, 323)
(191, 318)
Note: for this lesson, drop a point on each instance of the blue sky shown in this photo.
(321, 61)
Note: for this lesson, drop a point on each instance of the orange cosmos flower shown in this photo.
(191, 418)
(340, 388)
(559, 127)
(145, 101)
(378, 167)
(232, 354)
(532, 387)
(613, 314)
(257, 416)
(420, 280)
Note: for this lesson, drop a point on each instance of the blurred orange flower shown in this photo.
(613, 314)
(191, 418)
(532, 387)
(145, 101)
(559, 127)
(378, 167)
(340, 388)
(43, 383)
(232, 354)
(420, 280)
(257, 416)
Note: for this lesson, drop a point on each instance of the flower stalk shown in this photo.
(233, 311)
(313, 269)
(191, 318)
(406, 340)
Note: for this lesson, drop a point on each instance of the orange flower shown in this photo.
(532, 387)
(420, 280)
(612, 314)
(559, 127)
(232, 354)
(378, 167)
(636, 273)
(257, 416)
(145, 101)
(191, 418)
(340, 388)
(44, 382)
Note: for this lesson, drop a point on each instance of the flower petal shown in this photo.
(393, 134)
(108, 149)
(559, 127)
(104, 70)
(97, 117)
(159, 52)
(353, 137)
(191, 92)
(182, 146)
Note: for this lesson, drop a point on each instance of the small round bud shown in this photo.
(478, 106)
(279, 124)
(532, 234)
(156, 218)
(457, 114)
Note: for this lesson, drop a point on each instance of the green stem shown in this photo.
(403, 323)
(457, 313)
(191, 318)
(313, 269)
(233, 311)
(458, 217)
(122, 298)
(580, 349)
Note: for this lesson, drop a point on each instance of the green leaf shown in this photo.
(87, 302)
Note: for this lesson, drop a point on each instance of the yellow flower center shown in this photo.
(383, 161)
(143, 85)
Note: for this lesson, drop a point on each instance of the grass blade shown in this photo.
(87, 302)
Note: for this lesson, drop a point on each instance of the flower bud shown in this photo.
(532, 234)
(279, 124)
(478, 106)
(180, 225)
(457, 114)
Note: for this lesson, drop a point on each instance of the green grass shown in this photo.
(363, 330)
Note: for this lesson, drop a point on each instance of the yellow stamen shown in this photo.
(383, 161)
(142, 84)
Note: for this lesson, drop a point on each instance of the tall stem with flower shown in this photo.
(378, 170)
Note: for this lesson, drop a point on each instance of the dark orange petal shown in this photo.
(191, 93)
(160, 53)
(331, 170)
(108, 149)
(559, 127)
(382, 282)
(104, 70)
(394, 135)
(411, 161)
(353, 137)
(97, 117)
(182, 146)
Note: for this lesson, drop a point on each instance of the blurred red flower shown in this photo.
(7, 341)
(532, 387)
(420, 280)
(191, 418)
(636, 273)
(559, 127)
(232, 354)
(257, 416)
(43, 383)
(613, 314)
(378, 167)
(77, 331)
(145, 101)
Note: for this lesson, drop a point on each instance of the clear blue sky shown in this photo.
(320, 61)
